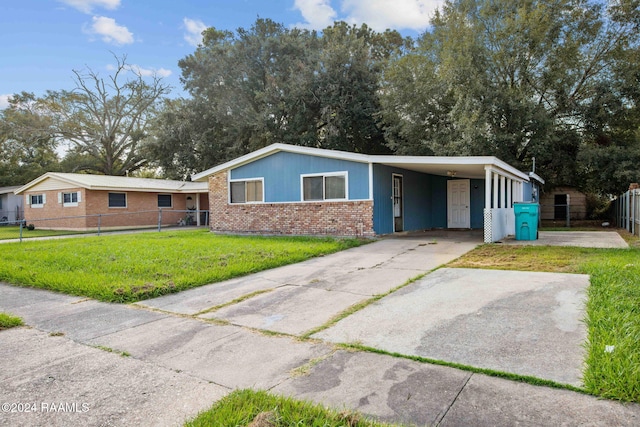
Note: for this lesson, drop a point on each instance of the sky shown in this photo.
(43, 41)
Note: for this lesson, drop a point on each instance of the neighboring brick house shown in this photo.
(286, 189)
(85, 202)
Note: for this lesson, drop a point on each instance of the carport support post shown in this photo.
(496, 191)
(159, 219)
(487, 188)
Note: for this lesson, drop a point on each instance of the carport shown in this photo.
(465, 176)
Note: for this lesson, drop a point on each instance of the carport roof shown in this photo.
(461, 167)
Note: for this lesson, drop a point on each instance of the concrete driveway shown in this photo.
(298, 298)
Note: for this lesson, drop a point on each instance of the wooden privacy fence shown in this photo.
(627, 210)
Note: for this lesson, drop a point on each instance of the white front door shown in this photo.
(458, 198)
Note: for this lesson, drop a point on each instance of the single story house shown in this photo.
(74, 201)
(10, 205)
(554, 204)
(286, 189)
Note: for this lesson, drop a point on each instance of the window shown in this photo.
(164, 201)
(37, 200)
(70, 199)
(117, 200)
(249, 191)
(324, 187)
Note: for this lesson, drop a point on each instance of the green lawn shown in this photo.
(8, 321)
(242, 407)
(613, 306)
(13, 232)
(132, 267)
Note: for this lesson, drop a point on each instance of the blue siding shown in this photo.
(477, 203)
(425, 200)
(281, 172)
(531, 192)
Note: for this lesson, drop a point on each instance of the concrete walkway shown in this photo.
(183, 352)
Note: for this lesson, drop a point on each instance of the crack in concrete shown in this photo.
(439, 419)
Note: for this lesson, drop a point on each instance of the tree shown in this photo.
(271, 84)
(186, 138)
(516, 79)
(105, 120)
(27, 141)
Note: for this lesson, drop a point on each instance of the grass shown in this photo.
(133, 267)
(612, 368)
(242, 407)
(13, 232)
(8, 321)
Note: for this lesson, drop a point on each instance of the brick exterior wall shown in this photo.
(349, 218)
(141, 210)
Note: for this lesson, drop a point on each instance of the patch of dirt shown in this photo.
(263, 419)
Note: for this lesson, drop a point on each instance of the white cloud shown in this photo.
(4, 101)
(318, 14)
(194, 28)
(87, 6)
(397, 14)
(147, 72)
(110, 31)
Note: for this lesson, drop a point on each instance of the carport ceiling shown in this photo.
(458, 171)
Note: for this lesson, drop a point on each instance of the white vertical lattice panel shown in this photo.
(488, 234)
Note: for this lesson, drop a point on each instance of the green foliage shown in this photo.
(27, 141)
(523, 79)
(126, 268)
(271, 84)
(241, 407)
(8, 321)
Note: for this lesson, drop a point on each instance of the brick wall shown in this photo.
(351, 218)
(141, 211)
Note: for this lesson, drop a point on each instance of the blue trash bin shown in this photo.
(526, 220)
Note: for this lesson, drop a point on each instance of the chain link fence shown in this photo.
(101, 223)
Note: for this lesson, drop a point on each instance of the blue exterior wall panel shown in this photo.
(477, 203)
(425, 200)
(281, 172)
(417, 198)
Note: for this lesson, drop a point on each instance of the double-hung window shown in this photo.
(324, 187)
(69, 199)
(37, 200)
(246, 191)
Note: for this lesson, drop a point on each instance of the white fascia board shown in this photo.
(536, 177)
(274, 148)
(452, 161)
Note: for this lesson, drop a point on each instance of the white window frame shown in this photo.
(69, 204)
(261, 179)
(345, 174)
(37, 205)
(126, 201)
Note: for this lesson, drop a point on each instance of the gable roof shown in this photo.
(119, 183)
(461, 166)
